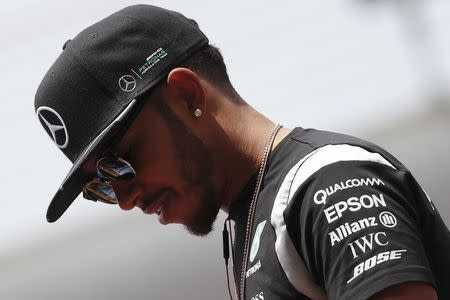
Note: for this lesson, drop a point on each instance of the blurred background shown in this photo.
(376, 69)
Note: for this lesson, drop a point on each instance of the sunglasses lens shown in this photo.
(100, 191)
(115, 168)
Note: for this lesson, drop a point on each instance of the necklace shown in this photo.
(251, 211)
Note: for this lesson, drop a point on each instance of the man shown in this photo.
(143, 107)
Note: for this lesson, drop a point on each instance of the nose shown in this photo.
(127, 192)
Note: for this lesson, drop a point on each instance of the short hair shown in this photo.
(208, 62)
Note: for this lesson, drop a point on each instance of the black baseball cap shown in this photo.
(93, 89)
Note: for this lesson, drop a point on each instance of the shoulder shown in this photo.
(333, 182)
(319, 163)
(326, 151)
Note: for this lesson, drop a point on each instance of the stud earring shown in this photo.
(198, 112)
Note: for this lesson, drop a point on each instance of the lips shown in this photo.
(155, 208)
(153, 204)
(164, 209)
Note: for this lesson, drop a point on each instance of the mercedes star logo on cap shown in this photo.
(54, 125)
(127, 83)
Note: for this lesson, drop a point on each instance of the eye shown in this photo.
(121, 152)
(125, 156)
(126, 152)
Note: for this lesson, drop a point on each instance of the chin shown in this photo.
(198, 231)
(202, 218)
(201, 226)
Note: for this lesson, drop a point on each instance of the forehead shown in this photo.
(122, 139)
(121, 143)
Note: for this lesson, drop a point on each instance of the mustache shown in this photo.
(149, 200)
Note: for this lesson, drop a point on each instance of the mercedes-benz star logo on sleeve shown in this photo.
(54, 125)
(127, 83)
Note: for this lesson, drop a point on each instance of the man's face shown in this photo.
(173, 171)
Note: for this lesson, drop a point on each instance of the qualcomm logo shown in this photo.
(54, 125)
(127, 83)
(255, 244)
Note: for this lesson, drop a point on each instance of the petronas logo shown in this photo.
(256, 239)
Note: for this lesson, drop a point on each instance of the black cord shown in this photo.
(228, 281)
(232, 258)
(226, 253)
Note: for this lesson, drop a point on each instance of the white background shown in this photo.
(344, 66)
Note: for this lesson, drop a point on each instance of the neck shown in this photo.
(247, 134)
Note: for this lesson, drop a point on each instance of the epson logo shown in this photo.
(353, 204)
(320, 197)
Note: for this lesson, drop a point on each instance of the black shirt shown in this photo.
(338, 218)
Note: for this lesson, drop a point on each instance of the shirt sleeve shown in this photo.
(357, 230)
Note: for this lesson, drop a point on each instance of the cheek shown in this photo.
(185, 205)
(151, 146)
(155, 159)
(127, 191)
(155, 169)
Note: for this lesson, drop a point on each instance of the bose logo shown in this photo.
(376, 260)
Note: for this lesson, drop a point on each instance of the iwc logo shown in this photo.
(54, 125)
(127, 83)
(256, 239)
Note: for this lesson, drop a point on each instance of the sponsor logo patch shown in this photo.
(127, 83)
(376, 260)
(256, 239)
(367, 242)
(152, 60)
(320, 197)
(388, 219)
(54, 125)
(347, 229)
(353, 204)
(259, 296)
(253, 269)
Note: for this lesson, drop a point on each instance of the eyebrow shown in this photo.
(112, 147)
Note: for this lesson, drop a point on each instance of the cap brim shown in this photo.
(76, 178)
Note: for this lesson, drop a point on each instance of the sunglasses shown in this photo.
(108, 168)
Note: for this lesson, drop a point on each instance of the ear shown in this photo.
(187, 87)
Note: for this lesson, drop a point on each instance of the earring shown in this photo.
(198, 112)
